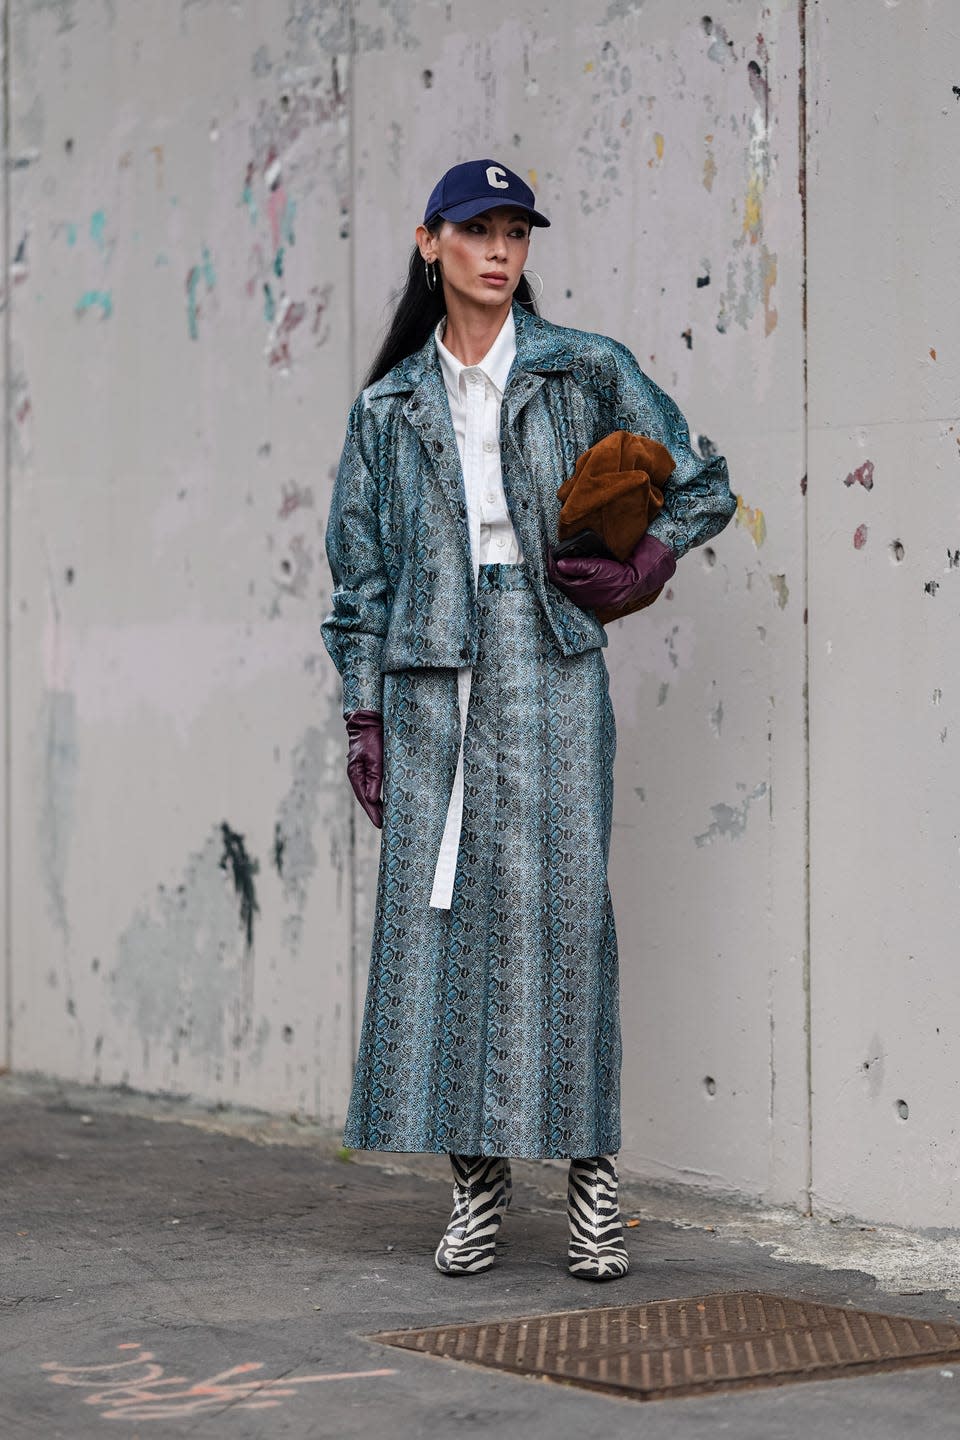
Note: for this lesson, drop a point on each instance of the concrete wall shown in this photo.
(6, 979)
(209, 204)
(884, 580)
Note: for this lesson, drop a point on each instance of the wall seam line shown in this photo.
(807, 958)
(7, 1055)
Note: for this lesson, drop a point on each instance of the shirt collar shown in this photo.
(495, 364)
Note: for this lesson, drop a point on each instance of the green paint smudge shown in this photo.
(204, 271)
(89, 298)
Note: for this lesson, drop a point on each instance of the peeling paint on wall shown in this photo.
(730, 821)
(243, 868)
(780, 589)
(751, 520)
(197, 273)
(752, 270)
(180, 976)
(721, 48)
(863, 475)
(21, 407)
(709, 165)
(98, 222)
(57, 731)
(64, 10)
(93, 299)
(315, 790)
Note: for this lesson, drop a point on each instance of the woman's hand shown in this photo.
(365, 761)
(599, 584)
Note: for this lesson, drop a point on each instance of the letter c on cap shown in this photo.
(497, 177)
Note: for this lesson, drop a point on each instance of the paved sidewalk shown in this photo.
(214, 1256)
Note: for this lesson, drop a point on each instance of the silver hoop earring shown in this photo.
(536, 277)
(430, 266)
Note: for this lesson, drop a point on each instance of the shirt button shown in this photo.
(489, 445)
(491, 498)
(501, 542)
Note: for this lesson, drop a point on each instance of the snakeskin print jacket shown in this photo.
(397, 537)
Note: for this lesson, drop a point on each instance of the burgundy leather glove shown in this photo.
(599, 584)
(365, 761)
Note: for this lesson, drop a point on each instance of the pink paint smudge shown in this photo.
(278, 350)
(863, 475)
(859, 537)
(276, 208)
(294, 498)
(321, 301)
(258, 264)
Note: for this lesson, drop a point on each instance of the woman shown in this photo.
(481, 734)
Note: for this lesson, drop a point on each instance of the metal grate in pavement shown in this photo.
(693, 1346)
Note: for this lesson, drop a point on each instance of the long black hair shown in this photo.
(418, 311)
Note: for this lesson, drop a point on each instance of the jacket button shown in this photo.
(465, 652)
(438, 446)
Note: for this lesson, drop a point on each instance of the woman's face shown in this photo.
(480, 259)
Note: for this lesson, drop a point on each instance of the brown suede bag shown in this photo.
(616, 490)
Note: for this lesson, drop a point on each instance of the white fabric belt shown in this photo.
(446, 869)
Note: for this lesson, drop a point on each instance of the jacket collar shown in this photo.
(542, 348)
(495, 365)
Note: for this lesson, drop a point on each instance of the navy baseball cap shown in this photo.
(477, 185)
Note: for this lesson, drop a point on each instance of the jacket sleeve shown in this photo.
(354, 631)
(697, 500)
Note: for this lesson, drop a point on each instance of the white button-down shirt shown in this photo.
(475, 393)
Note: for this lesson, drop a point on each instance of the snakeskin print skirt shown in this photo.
(493, 1028)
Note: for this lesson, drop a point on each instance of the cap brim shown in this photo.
(468, 208)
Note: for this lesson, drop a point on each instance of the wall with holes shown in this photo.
(207, 207)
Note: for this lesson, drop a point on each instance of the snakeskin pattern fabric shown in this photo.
(397, 536)
(493, 1028)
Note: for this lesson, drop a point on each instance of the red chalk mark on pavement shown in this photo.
(859, 537)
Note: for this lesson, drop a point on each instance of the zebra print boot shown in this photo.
(597, 1251)
(482, 1189)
